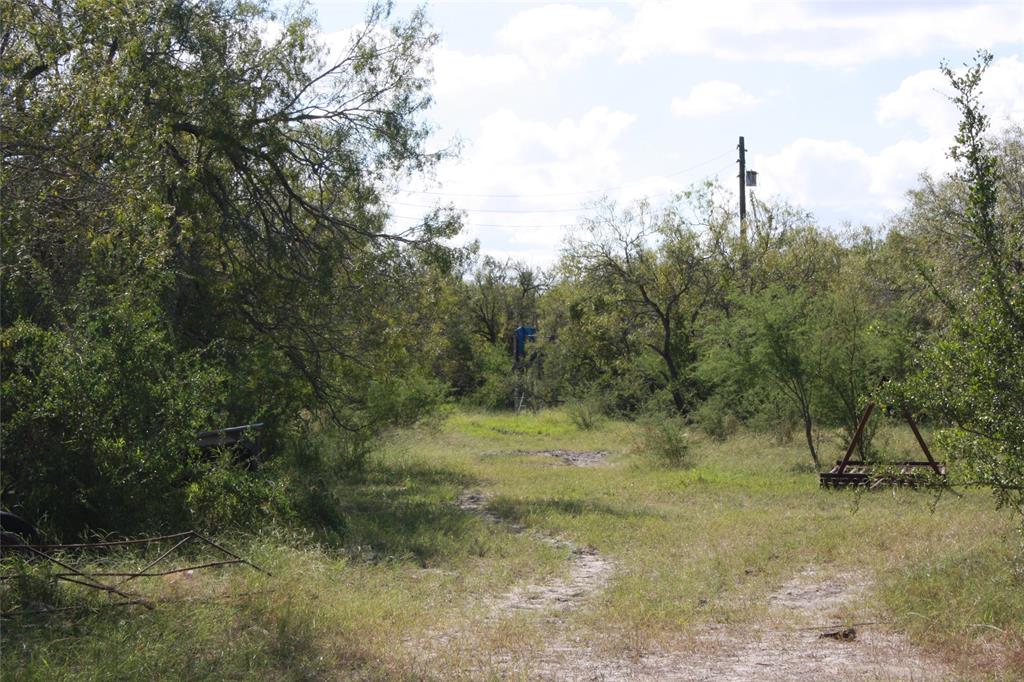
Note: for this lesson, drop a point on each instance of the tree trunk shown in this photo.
(810, 438)
(670, 364)
(678, 400)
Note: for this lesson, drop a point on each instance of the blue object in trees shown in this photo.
(524, 334)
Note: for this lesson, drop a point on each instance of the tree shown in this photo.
(972, 375)
(653, 269)
(502, 296)
(169, 167)
(773, 339)
(863, 337)
(763, 349)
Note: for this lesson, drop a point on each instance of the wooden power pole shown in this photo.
(743, 193)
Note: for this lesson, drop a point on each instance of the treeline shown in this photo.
(195, 236)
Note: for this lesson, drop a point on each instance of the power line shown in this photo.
(563, 194)
(473, 223)
(476, 224)
(575, 209)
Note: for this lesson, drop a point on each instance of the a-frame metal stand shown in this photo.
(850, 472)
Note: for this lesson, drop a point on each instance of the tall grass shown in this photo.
(395, 581)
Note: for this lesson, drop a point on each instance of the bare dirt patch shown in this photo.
(786, 645)
(550, 601)
(476, 502)
(577, 458)
(588, 574)
(588, 570)
(583, 458)
(791, 645)
(814, 592)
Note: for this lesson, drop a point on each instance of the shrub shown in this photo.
(500, 382)
(224, 495)
(587, 410)
(664, 439)
(99, 421)
(717, 420)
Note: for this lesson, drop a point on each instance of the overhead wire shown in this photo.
(564, 194)
(476, 224)
(578, 209)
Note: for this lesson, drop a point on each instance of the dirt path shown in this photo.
(787, 645)
(802, 640)
(551, 600)
(588, 571)
(577, 458)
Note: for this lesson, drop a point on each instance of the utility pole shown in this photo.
(743, 193)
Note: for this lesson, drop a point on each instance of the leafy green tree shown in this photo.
(972, 376)
(593, 354)
(186, 171)
(763, 351)
(650, 267)
(502, 296)
(863, 338)
(775, 336)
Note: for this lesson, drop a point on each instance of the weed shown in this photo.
(663, 438)
(586, 414)
(395, 580)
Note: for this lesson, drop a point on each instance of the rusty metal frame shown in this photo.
(840, 477)
(90, 579)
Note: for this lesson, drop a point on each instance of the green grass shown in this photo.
(695, 545)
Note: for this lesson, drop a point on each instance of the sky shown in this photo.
(555, 105)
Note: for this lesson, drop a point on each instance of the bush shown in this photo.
(99, 421)
(500, 383)
(586, 411)
(717, 420)
(664, 439)
(224, 495)
(403, 397)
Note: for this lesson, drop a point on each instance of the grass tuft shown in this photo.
(395, 580)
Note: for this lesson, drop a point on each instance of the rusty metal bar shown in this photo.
(86, 580)
(112, 543)
(160, 558)
(868, 409)
(68, 609)
(89, 580)
(157, 574)
(920, 441)
(231, 554)
(107, 588)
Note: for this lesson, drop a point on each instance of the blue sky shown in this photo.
(840, 104)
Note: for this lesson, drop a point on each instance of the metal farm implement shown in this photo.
(851, 472)
(116, 582)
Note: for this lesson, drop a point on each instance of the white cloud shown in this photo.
(457, 72)
(338, 44)
(549, 166)
(504, 136)
(702, 28)
(839, 174)
(818, 172)
(712, 98)
(924, 99)
(270, 31)
(827, 34)
(896, 168)
(536, 41)
(559, 36)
